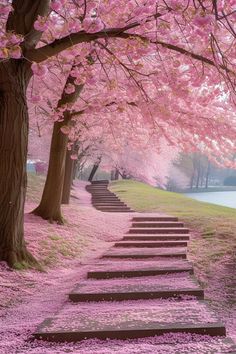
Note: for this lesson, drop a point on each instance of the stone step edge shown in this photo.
(150, 244)
(216, 329)
(132, 273)
(137, 295)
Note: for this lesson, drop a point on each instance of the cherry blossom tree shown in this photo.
(168, 48)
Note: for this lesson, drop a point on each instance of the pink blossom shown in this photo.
(4, 53)
(56, 6)
(15, 52)
(74, 157)
(70, 88)
(41, 24)
(202, 20)
(36, 98)
(65, 129)
(39, 69)
(92, 26)
(4, 9)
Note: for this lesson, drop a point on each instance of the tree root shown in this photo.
(20, 260)
(50, 217)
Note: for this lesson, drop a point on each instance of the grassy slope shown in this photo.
(35, 187)
(214, 243)
(215, 223)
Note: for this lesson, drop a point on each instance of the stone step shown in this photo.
(157, 237)
(158, 224)
(109, 206)
(146, 253)
(154, 218)
(105, 193)
(105, 201)
(102, 195)
(116, 210)
(98, 190)
(155, 287)
(151, 244)
(170, 343)
(130, 269)
(105, 198)
(102, 181)
(97, 186)
(129, 319)
(161, 230)
(109, 203)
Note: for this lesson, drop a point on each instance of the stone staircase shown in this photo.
(142, 286)
(104, 200)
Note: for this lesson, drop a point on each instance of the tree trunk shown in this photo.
(112, 175)
(68, 178)
(192, 180)
(116, 175)
(207, 174)
(14, 78)
(75, 170)
(50, 205)
(198, 173)
(94, 170)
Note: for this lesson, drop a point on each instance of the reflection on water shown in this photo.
(221, 198)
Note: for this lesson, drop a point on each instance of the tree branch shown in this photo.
(40, 54)
(54, 48)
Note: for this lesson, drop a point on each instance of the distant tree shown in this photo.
(230, 181)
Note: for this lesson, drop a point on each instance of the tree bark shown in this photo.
(116, 175)
(192, 179)
(208, 174)
(94, 170)
(112, 175)
(14, 121)
(198, 171)
(50, 204)
(75, 170)
(68, 178)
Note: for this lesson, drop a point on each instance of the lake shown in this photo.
(221, 198)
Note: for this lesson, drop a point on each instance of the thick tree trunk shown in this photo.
(69, 169)
(50, 205)
(14, 77)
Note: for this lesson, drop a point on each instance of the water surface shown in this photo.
(221, 198)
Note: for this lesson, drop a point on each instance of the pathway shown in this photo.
(104, 200)
(142, 286)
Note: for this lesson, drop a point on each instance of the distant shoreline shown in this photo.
(210, 189)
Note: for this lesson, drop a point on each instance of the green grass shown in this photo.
(35, 187)
(212, 245)
(215, 224)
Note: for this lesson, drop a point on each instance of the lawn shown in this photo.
(213, 242)
(35, 187)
